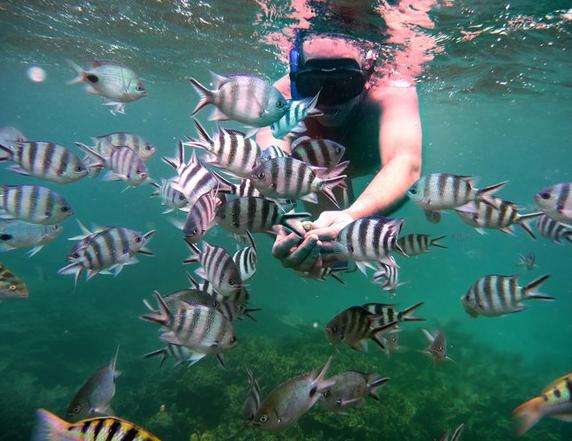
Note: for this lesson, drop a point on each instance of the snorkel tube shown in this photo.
(294, 59)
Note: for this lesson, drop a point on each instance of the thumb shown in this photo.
(324, 220)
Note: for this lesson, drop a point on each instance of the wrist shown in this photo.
(353, 212)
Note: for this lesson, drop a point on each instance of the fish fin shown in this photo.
(92, 154)
(111, 176)
(320, 381)
(218, 115)
(432, 216)
(193, 284)
(159, 352)
(508, 230)
(567, 417)
(522, 222)
(251, 133)
(193, 358)
(528, 414)
(434, 242)
(73, 268)
(113, 363)
(407, 314)
(203, 134)
(363, 266)
(195, 253)
(311, 197)
(177, 223)
(35, 250)
(481, 231)
(5, 153)
(201, 273)
(218, 80)
(529, 290)
(485, 193)
(328, 184)
(375, 385)
(163, 316)
(220, 358)
(169, 210)
(49, 427)
(206, 96)
(458, 432)
(468, 208)
(428, 335)
(17, 169)
(80, 73)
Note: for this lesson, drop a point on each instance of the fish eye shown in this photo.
(263, 418)
(138, 239)
(76, 409)
(148, 147)
(545, 195)
(140, 88)
(64, 209)
(12, 287)
(233, 339)
(413, 190)
(280, 104)
(260, 175)
(74, 255)
(79, 168)
(326, 394)
(339, 402)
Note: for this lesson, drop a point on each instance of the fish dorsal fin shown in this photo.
(218, 80)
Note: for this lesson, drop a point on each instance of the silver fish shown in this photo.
(16, 234)
(350, 388)
(292, 121)
(556, 201)
(496, 295)
(11, 286)
(317, 152)
(201, 216)
(107, 251)
(252, 402)
(33, 203)
(201, 329)
(290, 178)
(437, 348)
(245, 260)
(271, 152)
(440, 191)
(170, 197)
(554, 230)
(370, 239)
(245, 189)
(497, 214)
(94, 397)
(387, 313)
(116, 84)
(193, 179)
(289, 401)
(244, 98)
(387, 276)
(229, 149)
(528, 261)
(355, 325)
(256, 215)
(415, 244)
(218, 268)
(45, 160)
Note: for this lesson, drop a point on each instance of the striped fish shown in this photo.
(290, 178)
(554, 230)
(33, 203)
(555, 402)
(527, 261)
(51, 428)
(355, 325)
(252, 402)
(370, 239)
(456, 435)
(437, 348)
(245, 260)
(556, 201)
(244, 98)
(271, 152)
(245, 189)
(496, 214)
(201, 329)
(218, 268)
(193, 179)
(440, 191)
(292, 121)
(415, 244)
(11, 286)
(181, 354)
(229, 149)
(106, 251)
(15, 234)
(170, 197)
(387, 313)
(495, 295)
(317, 152)
(387, 276)
(350, 389)
(255, 215)
(45, 160)
(201, 216)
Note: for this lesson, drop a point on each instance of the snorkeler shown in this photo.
(376, 119)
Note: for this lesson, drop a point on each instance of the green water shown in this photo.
(497, 107)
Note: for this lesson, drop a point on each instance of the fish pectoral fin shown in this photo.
(312, 198)
(17, 169)
(218, 115)
(34, 250)
(111, 176)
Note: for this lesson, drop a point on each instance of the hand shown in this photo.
(301, 254)
(329, 224)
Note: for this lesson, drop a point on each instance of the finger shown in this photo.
(284, 243)
(300, 253)
(322, 222)
(310, 260)
(327, 233)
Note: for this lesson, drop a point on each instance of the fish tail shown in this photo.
(433, 242)
(522, 221)
(91, 153)
(5, 153)
(163, 316)
(195, 253)
(485, 193)
(328, 186)
(528, 414)
(529, 290)
(80, 73)
(206, 96)
(203, 134)
(50, 427)
(407, 314)
(159, 352)
(374, 385)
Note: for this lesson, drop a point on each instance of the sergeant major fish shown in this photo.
(252, 402)
(455, 436)
(289, 401)
(554, 230)
(528, 261)
(496, 295)
(292, 120)
(16, 234)
(437, 348)
(556, 201)
(555, 402)
(415, 244)
(170, 197)
(350, 388)
(51, 428)
(11, 286)
(387, 276)
(33, 203)
(95, 395)
(117, 85)
(201, 216)
(244, 98)
(317, 152)
(45, 160)
(245, 259)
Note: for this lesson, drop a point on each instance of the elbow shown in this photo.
(413, 168)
